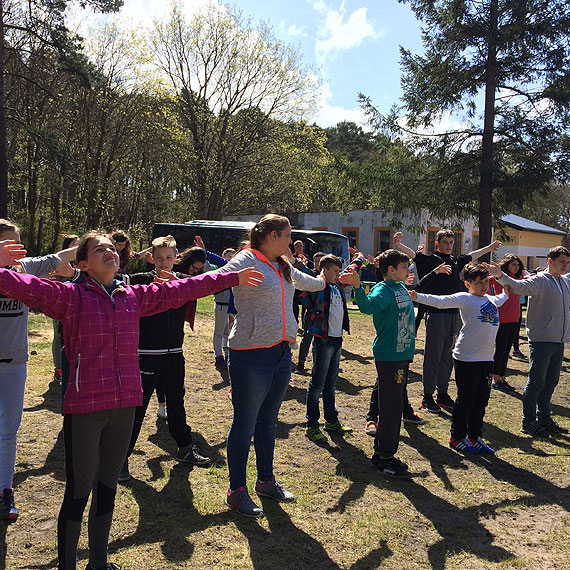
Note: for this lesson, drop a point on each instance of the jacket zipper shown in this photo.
(77, 372)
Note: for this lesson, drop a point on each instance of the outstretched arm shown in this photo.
(475, 255)
(403, 248)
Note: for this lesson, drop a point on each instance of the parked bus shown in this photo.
(219, 235)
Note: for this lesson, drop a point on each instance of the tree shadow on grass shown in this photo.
(288, 547)
(358, 357)
(53, 464)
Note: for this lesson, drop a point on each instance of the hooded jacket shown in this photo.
(101, 329)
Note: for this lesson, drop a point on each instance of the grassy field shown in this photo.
(507, 511)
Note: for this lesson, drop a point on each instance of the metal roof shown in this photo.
(521, 223)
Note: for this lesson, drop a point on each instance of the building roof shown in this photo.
(521, 223)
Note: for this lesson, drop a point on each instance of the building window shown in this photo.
(430, 243)
(382, 239)
(475, 241)
(352, 235)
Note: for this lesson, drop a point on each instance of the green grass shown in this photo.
(508, 511)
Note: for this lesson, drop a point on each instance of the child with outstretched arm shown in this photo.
(392, 312)
(100, 317)
(472, 354)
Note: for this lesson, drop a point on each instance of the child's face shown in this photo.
(478, 287)
(513, 267)
(164, 258)
(331, 273)
(102, 258)
(445, 245)
(398, 273)
(120, 245)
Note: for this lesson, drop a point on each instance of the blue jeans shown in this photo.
(259, 379)
(543, 376)
(326, 359)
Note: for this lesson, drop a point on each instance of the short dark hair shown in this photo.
(8, 226)
(473, 270)
(318, 254)
(68, 239)
(330, 259)
(444, 233)
(391, 258)
(556, 252)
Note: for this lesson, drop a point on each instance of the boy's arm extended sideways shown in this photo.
(455, 301)
(374, 302)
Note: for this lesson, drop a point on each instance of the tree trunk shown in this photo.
(3, 142)
(486, 180)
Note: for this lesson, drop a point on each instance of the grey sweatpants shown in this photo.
(441, 329)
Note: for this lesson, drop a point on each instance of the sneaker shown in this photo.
(534, 429)
(370, 428)
(481, 446)
(338, 427)
(240, 501)
(445, 402)
(274, 490)
(57, 374)
(108, 566)
(124, 475)
(221, 363)
(315, 434)
(428, 403)
(162, 412)
(8, 510)
(519, 354)
(412, 417)
(191, 454)
(392, 467)
(463, 445)
(553, 428)
(376, 459)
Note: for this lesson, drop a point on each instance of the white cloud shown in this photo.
(339, 32)
(293, 30)
(328, 115)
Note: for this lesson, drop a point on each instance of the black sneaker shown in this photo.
(519, 354)
(240, 501)
(8, 510)
(392, 467)
(553, 428)
(445, 402)
(221, 363)
(534, 429)
(428, 403)
(191, 454)
(508, 387)
(376, 459)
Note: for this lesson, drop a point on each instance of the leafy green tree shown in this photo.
(503, 67)
(233, 83)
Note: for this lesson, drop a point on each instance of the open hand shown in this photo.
(507, 290)
(495, 245)
(10, 252)
(199, 242)
(493, 268)
(443, 268)
(65, 270)
(165, 276)
(413, 294)
(350, 277)
(250, 276)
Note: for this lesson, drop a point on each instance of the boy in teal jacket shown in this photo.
(392, 312)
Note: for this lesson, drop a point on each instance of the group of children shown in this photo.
(119, 328)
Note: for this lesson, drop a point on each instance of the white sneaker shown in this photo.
(162, 414)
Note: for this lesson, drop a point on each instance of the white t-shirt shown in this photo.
(336, 313)
(480, 316)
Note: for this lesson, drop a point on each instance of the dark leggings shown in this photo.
(373, 413)
(95, 450)
(505, 338)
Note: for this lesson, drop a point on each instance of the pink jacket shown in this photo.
(101, 331)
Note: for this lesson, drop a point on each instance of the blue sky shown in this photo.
(353, 44)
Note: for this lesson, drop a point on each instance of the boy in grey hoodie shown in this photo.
(548, 328)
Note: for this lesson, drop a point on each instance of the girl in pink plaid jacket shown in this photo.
(100, 318)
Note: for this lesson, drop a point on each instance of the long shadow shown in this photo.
(224, 380)
(52, 399)
(3, 545)
(358, 357)
(53, 464)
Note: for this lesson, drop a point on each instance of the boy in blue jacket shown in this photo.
(392, 312)
(328, 317)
